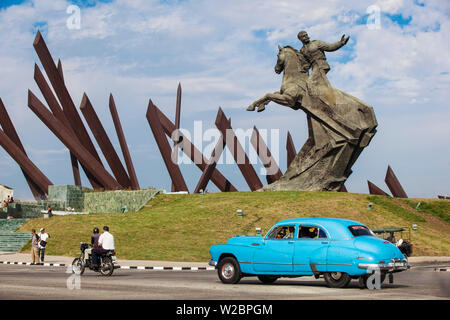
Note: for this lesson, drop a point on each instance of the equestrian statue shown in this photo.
(340, 126)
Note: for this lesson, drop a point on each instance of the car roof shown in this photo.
(382, 230)
(336, 227)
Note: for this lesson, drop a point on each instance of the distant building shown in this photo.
(5, 192)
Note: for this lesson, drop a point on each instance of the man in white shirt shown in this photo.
(105, 243)
(42, 243)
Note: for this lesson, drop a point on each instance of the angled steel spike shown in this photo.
(290, 148)
(64, 98)
(177, 126)
(59, 114)
(210, 166)
(123, 144)
(394, 185)
(239, 155)
(10, 131)
(273, 172)
(373, 189)
(24, 162)
(195, 155)
(60, 70)
(104, 142)
(164, 148)
(66, 137)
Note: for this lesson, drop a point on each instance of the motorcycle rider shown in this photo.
(104, 244)
(94, 242)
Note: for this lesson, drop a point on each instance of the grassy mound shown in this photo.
(183, 227)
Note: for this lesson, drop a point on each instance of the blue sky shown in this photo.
(223, 54)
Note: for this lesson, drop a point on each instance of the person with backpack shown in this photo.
(43, 238)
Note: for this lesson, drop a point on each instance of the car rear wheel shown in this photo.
(267, 279)
(229, 271)
(337, 279)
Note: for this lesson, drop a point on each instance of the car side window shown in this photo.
(311, 232)
(282, 232)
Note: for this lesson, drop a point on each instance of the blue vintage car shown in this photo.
(337, 249)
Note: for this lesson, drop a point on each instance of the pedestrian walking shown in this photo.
(34, 247)
(43, 238)
(49, 211)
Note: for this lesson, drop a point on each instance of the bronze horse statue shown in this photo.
(340, 126)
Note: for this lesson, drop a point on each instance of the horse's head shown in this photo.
(279, 67)
(286, 56)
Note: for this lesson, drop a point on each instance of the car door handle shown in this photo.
(291, 241)
(324, 242)
(255, 244)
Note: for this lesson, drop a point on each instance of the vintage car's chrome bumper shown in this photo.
(392, 266)
(212, 263)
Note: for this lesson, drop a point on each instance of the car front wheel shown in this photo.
(337, 279)
(229, 271)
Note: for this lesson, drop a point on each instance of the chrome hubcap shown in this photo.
(336, 275)
(228, 271)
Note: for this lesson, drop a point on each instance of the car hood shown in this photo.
(381, 248)
(245, 240)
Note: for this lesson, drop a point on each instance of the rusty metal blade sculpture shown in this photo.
(373, 189)
(239, 155)
(177, 126)
(394, 185)
(211, 165)
(73, 159)
(104, 142)
(195, 155)
(65, 99)
(10, 131)
(64, 134)
(123, 144)
(164, 147)
(59, 114)
(290, 149)
(273, 172)
(24, 162)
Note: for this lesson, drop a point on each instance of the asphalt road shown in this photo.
(40, 282)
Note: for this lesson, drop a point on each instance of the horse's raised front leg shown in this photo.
(276, 97)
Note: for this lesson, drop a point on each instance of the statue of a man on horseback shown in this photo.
(339, 125)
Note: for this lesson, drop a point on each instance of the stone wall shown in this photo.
(72, 196)
(27, 210)
(116, 201)
(81, 199)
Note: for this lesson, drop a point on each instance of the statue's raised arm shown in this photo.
(313, 51)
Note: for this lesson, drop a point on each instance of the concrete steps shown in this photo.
(11, 241)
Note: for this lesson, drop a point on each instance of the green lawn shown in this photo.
(183, 227)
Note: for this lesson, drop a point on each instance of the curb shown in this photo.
(117, 267)
(441, 270)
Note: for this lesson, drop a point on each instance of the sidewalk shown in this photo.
(23, 258)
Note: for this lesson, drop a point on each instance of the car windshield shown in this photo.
(360, 231)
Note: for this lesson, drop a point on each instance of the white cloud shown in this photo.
(141, 49)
